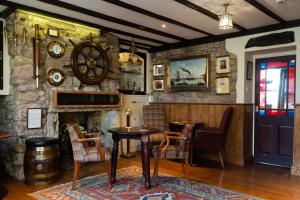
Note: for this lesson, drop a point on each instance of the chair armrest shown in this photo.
(170, 133)
(177, 137)
(97, 139)
(208, 131)
(92, 134)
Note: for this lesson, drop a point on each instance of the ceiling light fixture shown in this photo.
(163, 26)
(225, 20)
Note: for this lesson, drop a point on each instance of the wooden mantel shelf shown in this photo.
(68, 99)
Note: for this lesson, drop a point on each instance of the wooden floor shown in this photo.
(258, 180)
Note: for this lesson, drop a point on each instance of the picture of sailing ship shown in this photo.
(190, 73)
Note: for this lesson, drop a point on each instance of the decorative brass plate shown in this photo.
(55, 77)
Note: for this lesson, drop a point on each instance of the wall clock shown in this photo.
(55, 77)
(56, 49)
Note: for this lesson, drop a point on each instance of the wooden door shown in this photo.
(1, 55)
(274, 118)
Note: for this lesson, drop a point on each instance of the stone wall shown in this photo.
(213, 50)
(23, 92)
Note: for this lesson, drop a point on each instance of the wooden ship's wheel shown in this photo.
(89, 62)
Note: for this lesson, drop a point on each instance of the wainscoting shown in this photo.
(296, 156)
(239, 140)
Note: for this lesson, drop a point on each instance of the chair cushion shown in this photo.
(93, 154)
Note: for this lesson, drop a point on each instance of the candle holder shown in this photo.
(128, 154)
(128, 112)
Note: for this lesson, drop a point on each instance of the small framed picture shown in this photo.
(34, 118)
(223, 64)
(223, 85)
(249, 71)
(158, 85)
(158, 70)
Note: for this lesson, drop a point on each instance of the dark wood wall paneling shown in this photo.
(239, 140)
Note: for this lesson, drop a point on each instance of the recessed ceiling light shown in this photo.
(163, 26)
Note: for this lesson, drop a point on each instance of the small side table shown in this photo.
(3, 189)
(134, 133)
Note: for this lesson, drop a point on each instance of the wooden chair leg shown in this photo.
(156, 165)
(75, 175)
(221, 159)
(186, 167)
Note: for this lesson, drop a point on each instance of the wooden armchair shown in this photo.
(83, 153)
(178, 150)
(212, 139)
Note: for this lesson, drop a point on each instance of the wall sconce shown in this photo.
(10, 36)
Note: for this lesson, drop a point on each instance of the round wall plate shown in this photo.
(56, 49)
(55, 77)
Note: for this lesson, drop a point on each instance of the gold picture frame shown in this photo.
(223, 65)
(158, 85)
(189, 74)
(223, 85)
(158, 70)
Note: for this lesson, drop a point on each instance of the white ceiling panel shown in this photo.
(290, 10)
(2, 8)
(243, 13)
(66, 12)
(179, 12)
(134, 17)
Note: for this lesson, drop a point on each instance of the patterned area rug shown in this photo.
(130, 186)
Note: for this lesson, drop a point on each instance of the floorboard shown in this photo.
(258, 180)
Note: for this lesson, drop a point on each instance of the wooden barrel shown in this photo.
(41, 162)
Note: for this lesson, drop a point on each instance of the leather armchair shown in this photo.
(212, 139)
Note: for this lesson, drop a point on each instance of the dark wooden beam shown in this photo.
(154, 15)
(265, 10)
(206, 12)
(110, 18)
(136, 43)
(5, 13)
(137, 46)
(76, 20)
(209, 39)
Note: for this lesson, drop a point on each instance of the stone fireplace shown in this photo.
(24, 95)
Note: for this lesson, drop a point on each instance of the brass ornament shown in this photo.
(55, 77)
(56, 49)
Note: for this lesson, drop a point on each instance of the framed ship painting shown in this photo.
(190, 74)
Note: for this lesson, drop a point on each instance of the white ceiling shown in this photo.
(2, 8)
(245, 15)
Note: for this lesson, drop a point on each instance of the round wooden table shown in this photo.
(134, 133)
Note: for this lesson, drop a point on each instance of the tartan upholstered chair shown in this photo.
(155, 117)
(82, 152)
(179, 149)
